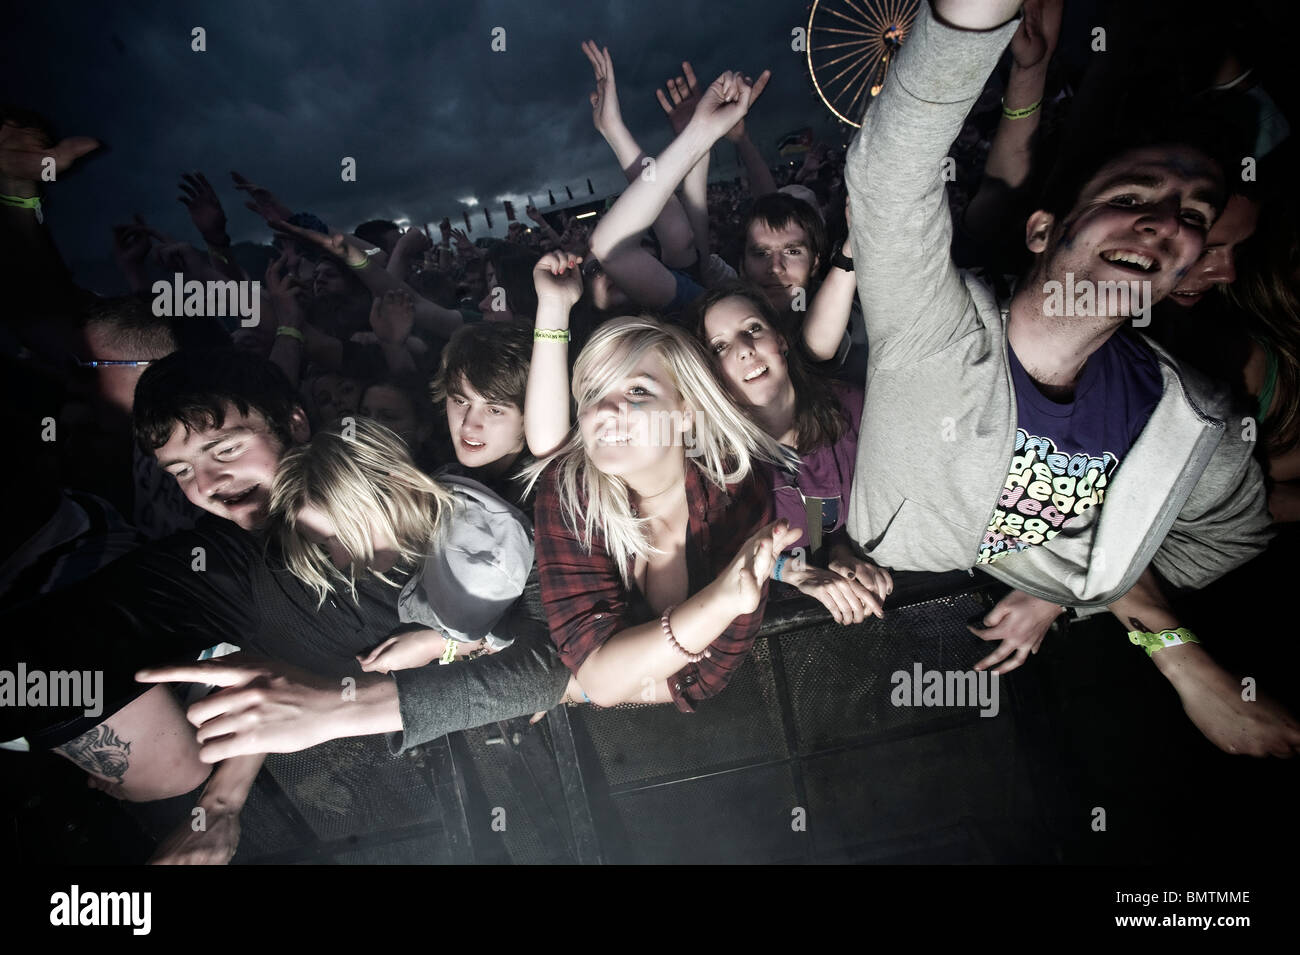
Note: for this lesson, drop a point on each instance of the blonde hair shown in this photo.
(726, 442)
(354, 474)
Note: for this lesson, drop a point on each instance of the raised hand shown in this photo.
(392, 316)
(535, 214)
(684, 93)
(261, 200)
(605, 113)
(1036, 37)
(727, 100)
(558, 279)
(284, 289)
(22, 155)
(464, 247)
(198, 196)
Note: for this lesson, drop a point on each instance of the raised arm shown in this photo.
(911, 293)
(671, 227)
(352, 251)
(828, 314)
(1008, 163)
(615, 243)
(546, 402)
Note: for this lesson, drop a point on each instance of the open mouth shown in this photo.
(756, 374)
(234, 500)
(614, 440)
(470, 444)
(1131, 261)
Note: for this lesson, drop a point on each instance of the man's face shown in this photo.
(392, 408)
(335, 396)
(485, 434)
(780, 261)
(328, 280)
(228, 470)
(1217, 264)
(1143, 217)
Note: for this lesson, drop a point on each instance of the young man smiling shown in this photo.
(1069, 459)
(219, 422)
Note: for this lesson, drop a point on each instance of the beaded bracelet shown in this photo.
(672, 640)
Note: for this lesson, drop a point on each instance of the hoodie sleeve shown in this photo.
(1224, 522)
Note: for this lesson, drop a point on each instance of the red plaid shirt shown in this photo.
(586, 602)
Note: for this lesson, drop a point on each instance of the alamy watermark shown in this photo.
(181, 298)
(1086, 298)
(953, 688)
(56, 688)
(655, 429)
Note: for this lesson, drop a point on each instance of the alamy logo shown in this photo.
(55, 688)
(103, 908)
(180, 298)
(1088, 299)
(946, 688)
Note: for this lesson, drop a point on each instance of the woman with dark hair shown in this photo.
(1267, 291)
(815, 417)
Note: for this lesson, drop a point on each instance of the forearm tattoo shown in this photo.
(100, 751)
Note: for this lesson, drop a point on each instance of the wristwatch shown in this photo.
(842, 261)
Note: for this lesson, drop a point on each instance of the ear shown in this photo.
(1037, 229)
(299, 428)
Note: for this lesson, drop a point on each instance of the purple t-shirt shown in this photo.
(825, 473)
(1066, 453)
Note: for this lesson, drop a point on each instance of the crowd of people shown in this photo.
(657, 414)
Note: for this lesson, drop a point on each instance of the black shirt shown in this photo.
(170, 600)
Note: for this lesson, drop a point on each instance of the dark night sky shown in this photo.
(412, 90)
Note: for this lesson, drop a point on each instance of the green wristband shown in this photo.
(1153, 642)
(1020, 113)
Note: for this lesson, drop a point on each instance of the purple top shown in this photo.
(1066, 453)
(826, 472)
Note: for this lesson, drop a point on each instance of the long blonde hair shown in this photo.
(726, 443)
(354, 474)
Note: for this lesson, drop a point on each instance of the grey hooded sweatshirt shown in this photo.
(939, 423)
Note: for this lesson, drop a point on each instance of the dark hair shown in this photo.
(374, 230)
(1268, 264)
(131, 326)
(1083, 155)
(818, 417)
(491, 357)
(514, 265)
(777, 210)
(194, 388)
(410, 384)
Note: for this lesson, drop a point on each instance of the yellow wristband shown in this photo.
(550, 335)
(1020, 113)
(291, 333)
